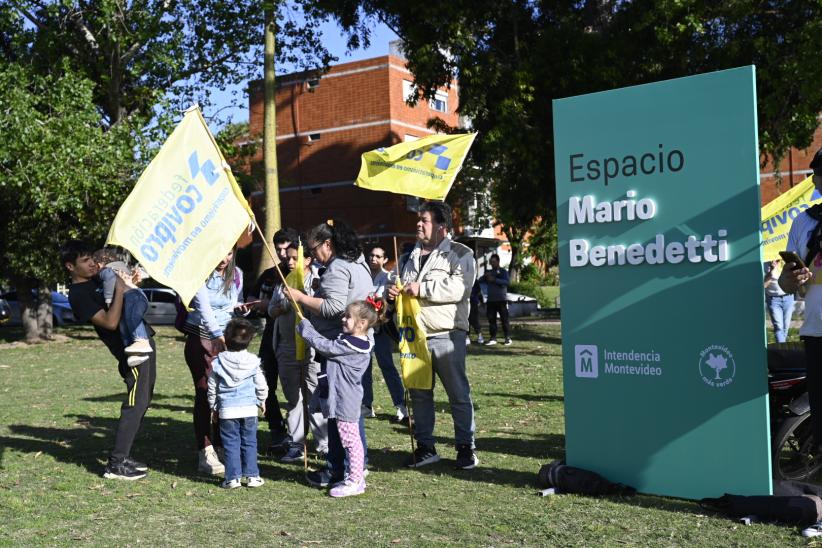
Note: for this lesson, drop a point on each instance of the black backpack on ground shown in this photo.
(794, 509)
(568, 479)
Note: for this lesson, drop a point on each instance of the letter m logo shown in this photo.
(586, 361)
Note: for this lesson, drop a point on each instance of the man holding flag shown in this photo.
(440, 273)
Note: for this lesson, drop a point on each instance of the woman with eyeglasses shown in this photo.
(212, 307)
(347, 278)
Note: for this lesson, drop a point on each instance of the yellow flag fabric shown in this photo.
(415, 358)
(186, 211)
(426, 167)
(296, 280)
(778, 214)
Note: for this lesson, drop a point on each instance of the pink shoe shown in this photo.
(348, 489)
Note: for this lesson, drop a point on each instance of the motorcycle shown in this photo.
(793, 456)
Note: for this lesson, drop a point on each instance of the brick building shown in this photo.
(324, 125)
(794, 169)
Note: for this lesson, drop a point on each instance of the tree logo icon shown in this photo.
(717, 366)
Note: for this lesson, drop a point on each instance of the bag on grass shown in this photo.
(568, 479)
(793, 510)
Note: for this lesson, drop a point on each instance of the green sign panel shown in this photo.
(661, 281)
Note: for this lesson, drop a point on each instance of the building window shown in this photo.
(439, 102)
(312, 84)
(314, 137)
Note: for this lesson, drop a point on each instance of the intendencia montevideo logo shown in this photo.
(717, 366)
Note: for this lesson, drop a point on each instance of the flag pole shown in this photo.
(277, 267)
(408, 405)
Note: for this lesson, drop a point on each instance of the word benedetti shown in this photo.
(586, 209)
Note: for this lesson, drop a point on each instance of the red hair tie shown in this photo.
(376, 303)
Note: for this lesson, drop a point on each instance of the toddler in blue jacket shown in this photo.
(236, 389)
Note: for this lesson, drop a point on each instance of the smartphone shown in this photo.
(792, 257)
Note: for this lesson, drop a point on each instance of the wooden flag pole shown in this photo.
(408, 405)
(280, 272)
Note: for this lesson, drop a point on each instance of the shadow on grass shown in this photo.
(527, 397)
(116, 398)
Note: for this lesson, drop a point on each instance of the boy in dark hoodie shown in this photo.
(236, 389)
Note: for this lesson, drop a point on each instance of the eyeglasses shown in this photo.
(313, 249)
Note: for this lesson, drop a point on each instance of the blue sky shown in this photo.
(334, 41)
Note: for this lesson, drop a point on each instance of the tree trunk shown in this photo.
(35, 311)
(272, 188)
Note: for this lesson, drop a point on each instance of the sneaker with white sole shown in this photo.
(348, 489)
(136, 359)
(294, 454)
(367, 412)
(137, 465)
(466, 458)
(232, 484)
(491, 342)
(256, 481)
(814, 530)
(365, 473)
(480, 340)
(139, 346)
(321, 478)
(122, 470)
(402, 414)
(423, 456)
(507, 342)
(209, 463)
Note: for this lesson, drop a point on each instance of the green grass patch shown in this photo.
(59, 404)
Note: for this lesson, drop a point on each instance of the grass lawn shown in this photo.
(59, 403)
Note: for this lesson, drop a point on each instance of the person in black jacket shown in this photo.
(497, 280)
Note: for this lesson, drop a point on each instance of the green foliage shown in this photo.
(61, 175)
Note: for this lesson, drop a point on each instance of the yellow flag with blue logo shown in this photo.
(296, 280)
(425, 168)
(415, 357)
(778, 214)
(186, 211)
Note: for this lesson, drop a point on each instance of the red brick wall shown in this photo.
(794, 169)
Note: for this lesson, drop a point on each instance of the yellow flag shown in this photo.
(186, 211)
(415, 358)
(778, 214)
(296, 280)
(425, 168)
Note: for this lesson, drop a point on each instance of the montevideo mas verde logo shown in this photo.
(717, 366)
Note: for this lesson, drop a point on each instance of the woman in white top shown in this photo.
(780, 304)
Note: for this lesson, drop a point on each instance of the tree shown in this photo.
(61, 176)
(513, 57)
(142, 53)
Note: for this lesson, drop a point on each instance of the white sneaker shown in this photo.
(467, 341)
(348, 489)
(209, 463)
(367, 412)
(491, 342)
(814, 530)
(232, 484)
(255, 482)
(139, 346)
(402, 413)
(480, 340)
(135, 360)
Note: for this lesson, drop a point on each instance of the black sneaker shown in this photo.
(321, 478)
(422, 456)
(123, 471)
(466, 458)
(137, 465)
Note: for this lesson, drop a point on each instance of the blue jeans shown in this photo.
(448, 359)
(135, 306)
(335, 460)
(780, 309)
(385, 359)
(240, 444)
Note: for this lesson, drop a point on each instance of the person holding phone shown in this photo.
(213, 306)
(805, 240)
(780, 304)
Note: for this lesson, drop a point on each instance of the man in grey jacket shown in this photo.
(441, 273)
